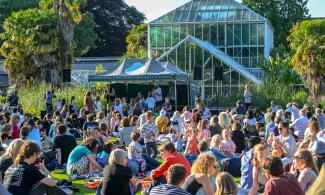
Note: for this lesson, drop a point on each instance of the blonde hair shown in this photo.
(225, 184)
(100, 115)
(224, 133)
(117, 156)
(202, 125)
(203, 163)
(257, 149)
(224, 120)
(309, 160)
(214, 140)
(13, 150)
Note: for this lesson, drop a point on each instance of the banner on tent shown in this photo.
(130, 77)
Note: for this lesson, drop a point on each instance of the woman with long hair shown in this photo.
(204, 132)
(196, 117)
(310, 134)
(259, 179)
(303, 163)
(226, 184)
(23, 178)
(201, 180)
(7, 159)
(82, 159)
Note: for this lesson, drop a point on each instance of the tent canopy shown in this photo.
(140, 70)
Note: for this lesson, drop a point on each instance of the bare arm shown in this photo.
(58, 155)
(94, 162)
(48, 181)
(204, 179)
(254, 189)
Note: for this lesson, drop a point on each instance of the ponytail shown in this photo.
(27, 150)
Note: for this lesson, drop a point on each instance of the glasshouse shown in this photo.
(212, 36)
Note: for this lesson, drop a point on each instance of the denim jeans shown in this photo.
(151, 146)
(151, 163)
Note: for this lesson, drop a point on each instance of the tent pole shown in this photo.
(175, 95)
(188, 94)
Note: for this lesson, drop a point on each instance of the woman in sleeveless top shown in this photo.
(303, 163)
(259, 178)
(202, 180)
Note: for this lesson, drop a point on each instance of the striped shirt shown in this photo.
(168, 189)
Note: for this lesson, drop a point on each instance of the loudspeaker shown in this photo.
(218, 73)
(51, 75)
(66, 75)
(197, 74)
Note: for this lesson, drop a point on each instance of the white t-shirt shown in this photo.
(99, 106)
(158, 94)
(248, 96)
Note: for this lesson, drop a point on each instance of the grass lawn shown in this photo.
(60, 175)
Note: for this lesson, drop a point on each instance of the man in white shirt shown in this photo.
(157, 93)
(274, 107)
(300, 124)
(293, 108)
(248, 97)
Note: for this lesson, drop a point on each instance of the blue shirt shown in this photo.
(102, 158)
(270, 129)
(35, 136)
(246, 179)
(77, 153)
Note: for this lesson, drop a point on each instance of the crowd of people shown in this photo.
(280, 151)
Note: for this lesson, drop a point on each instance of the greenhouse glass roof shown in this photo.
(200, 11)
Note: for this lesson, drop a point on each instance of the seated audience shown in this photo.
(225, 184)
(238, 137)
(125, 131)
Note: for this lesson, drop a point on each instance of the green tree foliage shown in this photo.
(9, 6)
(307, 41)
(30, 43)
(84, 35)
(282, 14)
(137, 42)
(114, 19)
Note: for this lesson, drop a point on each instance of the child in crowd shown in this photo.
(4, 140)
(150, 102)
(167, 106)
(192, 143)
(125, 107)
(102, 157)
(14, 125)
(204, 132)
(142, 103)
(227, 145)
(187, 114)
(98, 104)
(134, 154)
(150, 132)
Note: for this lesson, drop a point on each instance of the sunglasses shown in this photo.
(297, 157)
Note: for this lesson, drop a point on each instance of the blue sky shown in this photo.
(155, 8)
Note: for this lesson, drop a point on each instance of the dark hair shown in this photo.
(74, 116)
(4, 136)
(31, 123)
(253, 140)
(125, 122)
(196, 117)
(24, 131)
(91, 144)
(149, 114)
(103, 127)
(90, 117)
(176, 174)
(250, 114)
(274, 165)
(135, 136)
(134, 120)
(284, 124)
(108, 147)
(203, 146)
(168, 147)
(236, 126)
(27, 150)
(61, 128)
(15, 109)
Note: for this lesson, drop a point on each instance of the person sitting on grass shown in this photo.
(24, 131)
(82, 159)
(226, 184)
(63, 144)
(23, 178)
(117, 176)
(279, 182)
(103, 156)
(150, 132)
(170, 156)
(134, 154)
(176, 175)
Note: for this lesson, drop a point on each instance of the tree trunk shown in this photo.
(315, 83)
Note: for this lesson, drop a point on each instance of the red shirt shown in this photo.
(15, 132)
(193, 142)
(174, 158)
(285, 183)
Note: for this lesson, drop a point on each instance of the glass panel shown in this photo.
(238, 15)
(177, 16)
(230, 51)
(222, 16)
(190, 29)
(169, 17)
(198, 31)
(253, 34)
(214, 34)
(184, 16)
(245, 52)
(261, 51)
(160, 36)
(183, 31)
(192, 16)
(245, 35)
(230, 15)
(221, 34)
(230, 35)
(237, 52)
(168, 36)
(261, 34)
(206, 32)
(175, 34)
(253, 16)
(153, 36)
(237, 34)
(214, 16)
(246, 14)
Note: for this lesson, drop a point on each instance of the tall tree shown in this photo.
(282, 14)
(30, 44)
(137, 41)
(9, 6)
(114, 19)
(307, 41)
(68, 16)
